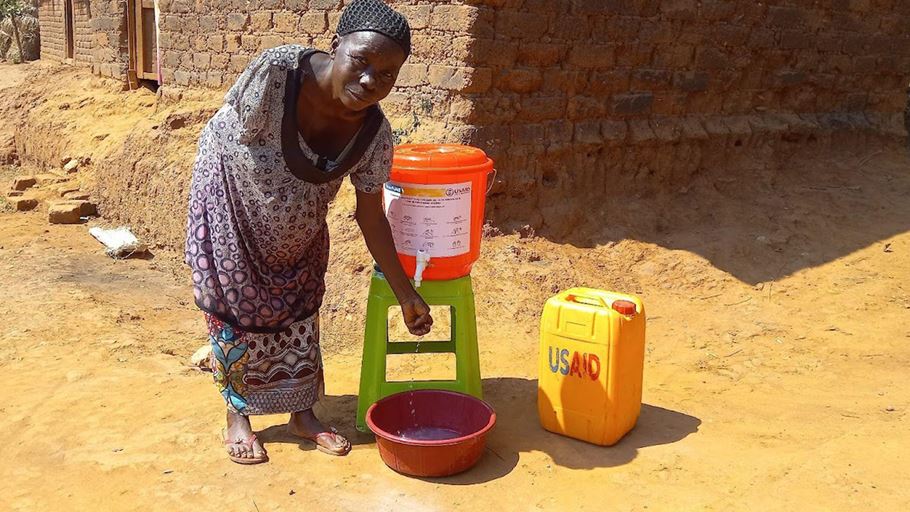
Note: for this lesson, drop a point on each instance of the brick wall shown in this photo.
(50, 16)
(585, 94)
(107, 38)
(99, 34)
(210, 46)
(577, 99)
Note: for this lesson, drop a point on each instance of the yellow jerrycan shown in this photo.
(592, 349)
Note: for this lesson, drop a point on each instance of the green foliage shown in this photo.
(13, 8)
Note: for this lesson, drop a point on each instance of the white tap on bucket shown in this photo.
(423, 259)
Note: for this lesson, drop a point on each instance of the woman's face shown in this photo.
(365, 68)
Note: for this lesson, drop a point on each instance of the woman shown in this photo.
(269, 162)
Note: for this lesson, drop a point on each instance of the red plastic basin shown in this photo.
(445, 435)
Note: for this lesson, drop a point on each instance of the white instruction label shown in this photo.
(435, 218)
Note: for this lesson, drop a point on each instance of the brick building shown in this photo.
(570, 97)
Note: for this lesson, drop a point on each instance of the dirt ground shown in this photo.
(775, 376)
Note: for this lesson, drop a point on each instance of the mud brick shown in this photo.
(541, 54)
(692, 128)
(65, 212)
(182, 78)
(249, 42)
(585, 107)
(237, 21)
(418, 15)
(412, 75)
(521, 80)
(614, 132)
(786, 17)
(214, 79)
(789, 77)
(325, 4)
(495, 136)
(716, 127)
(650, 79)
(220, 61)
(66, 187)
(738, 126)
(640, 131)
(761, 38)
(592, 56)
(634, 55)
(23, 204)
(679, 9)
(665, 129)
(542, 108)
(717, 10)
(261, 21)
(672, 56)
(285, 22)
(270, 41)
(571, 28)
(461, 79)
(313, 23)
(209, 24)
(712, 58)
(171, 22)
(691, 81)
(730, 35)
(588, 132)
(794, 40)
(528, 134)
(239, 63)
(202, 60)
(494, 53)
(453, 18)
(520, 25)
(560, 131)
(633, 103)
(24, 183)
(559, 81)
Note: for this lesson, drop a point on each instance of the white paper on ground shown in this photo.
(120, 242)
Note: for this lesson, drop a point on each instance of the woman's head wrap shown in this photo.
(376, 16)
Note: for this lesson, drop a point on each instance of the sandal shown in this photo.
(248, 444)
(333, 433)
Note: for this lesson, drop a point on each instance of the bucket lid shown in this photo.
(438, 156)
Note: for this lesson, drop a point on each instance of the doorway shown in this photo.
(69, 29)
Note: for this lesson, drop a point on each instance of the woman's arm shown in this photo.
(378, 236)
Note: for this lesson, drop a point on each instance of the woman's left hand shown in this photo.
(416, 315)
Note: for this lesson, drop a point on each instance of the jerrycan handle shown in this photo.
(587, 300)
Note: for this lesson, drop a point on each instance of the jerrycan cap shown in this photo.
(624, 307)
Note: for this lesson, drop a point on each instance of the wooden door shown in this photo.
(69, 29)
(144, 36)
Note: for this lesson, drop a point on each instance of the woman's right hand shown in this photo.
(416, 315)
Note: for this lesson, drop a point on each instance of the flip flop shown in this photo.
(333, 433)
(248, 443)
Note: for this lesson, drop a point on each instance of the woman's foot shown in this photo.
(241, 443)
(304, 424)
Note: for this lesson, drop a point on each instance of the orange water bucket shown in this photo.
(434, 202)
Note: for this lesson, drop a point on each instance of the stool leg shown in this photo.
(467, 354)
(373, 367)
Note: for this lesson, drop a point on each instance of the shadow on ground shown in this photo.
(767, 222)
(518, 430)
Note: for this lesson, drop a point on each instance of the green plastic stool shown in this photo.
(456, 293)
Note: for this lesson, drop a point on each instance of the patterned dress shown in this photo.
(258, 244)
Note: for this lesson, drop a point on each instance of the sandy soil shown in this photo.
(775, 378)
